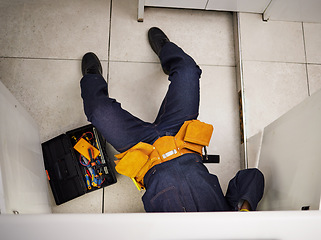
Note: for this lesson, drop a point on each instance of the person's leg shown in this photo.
(120, 128)
(247, 185)
(181, 102)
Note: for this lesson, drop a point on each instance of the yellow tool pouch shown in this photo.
(193, 136)
(136, 161)
(199, 133)
(133, 160)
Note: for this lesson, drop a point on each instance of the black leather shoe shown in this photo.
(157, 39)
(90, 64)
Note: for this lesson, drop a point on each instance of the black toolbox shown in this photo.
(70, 174)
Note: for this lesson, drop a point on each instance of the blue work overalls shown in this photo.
(184, 183)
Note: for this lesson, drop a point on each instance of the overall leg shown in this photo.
(247, 185)
(120, 128)
(181, 102)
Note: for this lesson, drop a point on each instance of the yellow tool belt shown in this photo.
(191, 138)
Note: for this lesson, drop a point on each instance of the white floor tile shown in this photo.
(49, 90)
(123, 197)
(314, 73)
(219, 107)
(312, 35)
(271, 89)
(10, 26)
(207, 36)
(273, 41)
(139, 87)
(54, 29)
(88, 203)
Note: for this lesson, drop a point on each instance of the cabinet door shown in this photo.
(255, 6)
(294, 10)
(23, 182)
(290, 158)
(195, 4)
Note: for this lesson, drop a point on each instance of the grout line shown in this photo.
(120, 61)
(39, 58)
(130, 61)
(108, 62)
(306, 61)
(201, 64)
(310, 63)
(52, 59)
(103, 60)
(215, 65)
(109, 40)
(266, 61)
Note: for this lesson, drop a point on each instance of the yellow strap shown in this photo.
(136, 184)
(244, 210)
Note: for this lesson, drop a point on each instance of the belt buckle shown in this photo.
(170, 153)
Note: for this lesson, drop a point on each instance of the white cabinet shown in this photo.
(192, 4)
(290, 158)
(23, 182)
(286, 10)
(255, 6)
(195, 4)
(294, 10)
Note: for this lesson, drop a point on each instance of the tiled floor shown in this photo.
(43, 42)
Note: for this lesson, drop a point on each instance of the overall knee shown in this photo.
(99, 110)
(91, 111)
(189, 70)
(258, 173)
(258, 176)
(251, 175)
